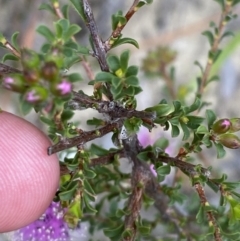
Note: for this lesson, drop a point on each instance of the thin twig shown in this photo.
(10, 47)
(210, 216)
(214, 48)
(98, 45)
(117, 32)
(5, 69)
(83, 137)
(113, 109)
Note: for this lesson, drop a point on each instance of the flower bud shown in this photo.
(62, 88)
(229, 140)
(14, 82)
(31, 75)
(36, 94)
(221, 126)
(49, 71)
(30, 59)
(235, 125)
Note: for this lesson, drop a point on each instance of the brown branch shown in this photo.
(5, 69)
(99, 50)
(210, 216)
(117, 32)
(113, 109)
(57, 10)
(83, 137)
(139, 181)
(186, 167)
(214, 48)
(10, 47)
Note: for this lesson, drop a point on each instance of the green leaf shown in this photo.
(133, 124)
(200, 217)
(118, 20)
(160, 109)
(213, 186)
(46, 32)
(163, 170)
(89, 174)
(67, 115)
(9, 57)
(48, 7)
(121, 41)
(132, 70)
(116, 82)
(213, 78)
(209, 36)
(175, 131)
(161, 143)
(26, 107)
(69, 62)
(143, 156)
(72, 30)
(68, 52)
(104, 77)
(177, 105)
(211, 117)
(74, 77)
(186, 132)
(220, 150)
(114, 232)
(68, 194)
(114, 63)
(78, 6)
(46, 47)
(199, 65)
(14, 40)
(89, 189)
(202, 130)
(88, 207)
(232, 185)
(143, 2)
(97, 150)
(83, 50)
(65, 11)
(95, 122)
(144, 230)
(193, 107)
(59, 30)
(132, 81)
(194, 121)
(117, 91)
(227, 34)
(124, 60)
(46, 120)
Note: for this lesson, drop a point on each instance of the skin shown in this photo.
(29, 177)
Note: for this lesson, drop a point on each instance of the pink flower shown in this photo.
(7, 81)
(32, 96)
(65, 87)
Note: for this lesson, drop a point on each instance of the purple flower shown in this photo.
(32, 96)
(36, 94)
(65, 87)
(7, 81)
(49, 227)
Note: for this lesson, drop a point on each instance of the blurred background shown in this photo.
(174, 24)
